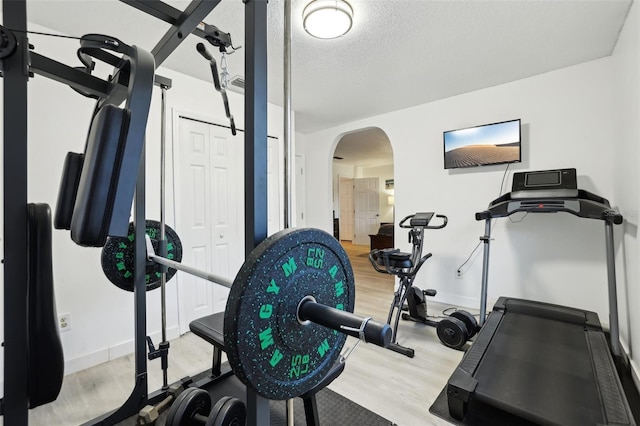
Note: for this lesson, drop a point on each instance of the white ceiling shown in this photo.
(399, 53)
(364, 148)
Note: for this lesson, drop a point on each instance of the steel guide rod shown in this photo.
(163, 244)
(288, 129)
(287, 144)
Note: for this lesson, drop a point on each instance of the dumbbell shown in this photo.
(150, 413)
(455, 330)
(193, 408)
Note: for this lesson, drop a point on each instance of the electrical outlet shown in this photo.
(64, 322)
(458, 274)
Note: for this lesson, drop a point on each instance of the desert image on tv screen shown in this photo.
(491, 144)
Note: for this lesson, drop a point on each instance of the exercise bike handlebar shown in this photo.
(423, 221)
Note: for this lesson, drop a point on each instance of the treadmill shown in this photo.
(534, 362)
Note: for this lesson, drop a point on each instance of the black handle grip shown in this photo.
(445, 220)
(404, 220)
(216, 84)
(612, 216)
(203, 51)
(345, 322)
(484, 215)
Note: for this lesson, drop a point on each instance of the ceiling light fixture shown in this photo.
(327, 18)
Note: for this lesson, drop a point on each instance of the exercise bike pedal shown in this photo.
(430, 292)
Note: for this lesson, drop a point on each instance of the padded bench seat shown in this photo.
(396, 258)
(210, 329)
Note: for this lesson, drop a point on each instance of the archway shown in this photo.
(363, 176)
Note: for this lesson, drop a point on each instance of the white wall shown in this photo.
(566, 118)
(626, 111)
(102, 314)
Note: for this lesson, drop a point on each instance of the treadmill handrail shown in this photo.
(592, 206)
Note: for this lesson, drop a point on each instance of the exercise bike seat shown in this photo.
(395, 258)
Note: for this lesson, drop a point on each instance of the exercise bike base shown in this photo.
(408, 317)
(401, 350)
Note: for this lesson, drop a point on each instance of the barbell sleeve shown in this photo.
(345, 322)
(151, 255)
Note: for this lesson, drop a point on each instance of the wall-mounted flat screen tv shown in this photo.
(496, 143)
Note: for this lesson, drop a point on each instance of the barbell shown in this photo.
(289, 309)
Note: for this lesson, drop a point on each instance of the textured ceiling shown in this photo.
(364, 148)
(399, 53)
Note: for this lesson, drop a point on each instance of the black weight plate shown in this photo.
(118, 257)
(228, 411)
(469, 321)
(190, 402)
(269, 350)
(452, 332)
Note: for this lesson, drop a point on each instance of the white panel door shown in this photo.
(209, 211)
(367, 209)
(227, 247)
(195, 226)
(346, 209)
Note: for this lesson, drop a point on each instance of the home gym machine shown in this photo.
(19, 63)
(454, 330)
(535, 362)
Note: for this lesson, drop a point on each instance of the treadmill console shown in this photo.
(560, 183)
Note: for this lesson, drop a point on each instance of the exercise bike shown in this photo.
(456, 328)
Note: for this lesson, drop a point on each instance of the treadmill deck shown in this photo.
(553, 370)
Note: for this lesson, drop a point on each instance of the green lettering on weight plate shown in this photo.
(273, 287)
(333, 271)
(266, 338)
(276, 358)
(323, 348)
(266, 311)
(289, 267)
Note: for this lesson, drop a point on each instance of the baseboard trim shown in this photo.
(116, 351)
(456, 300)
